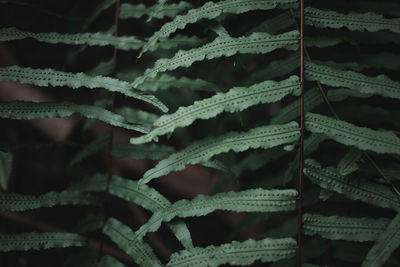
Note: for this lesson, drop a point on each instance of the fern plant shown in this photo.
(239, 132)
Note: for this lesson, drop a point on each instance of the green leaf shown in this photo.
(386, 244)
(349, 134)
(353, 21)
(137, 116)
(236, 99)
(104, 68)
(256, 43)
(50, 77)
(211, 10)
(252, 200)
(201, 151)
(97, 145)
(91, 39)
(352, 187)
(20, 202)
(274, 25)
(380, 85)
(130, 11)
(105, 4)
(22, 110)
(344, 228)
(6, 159)
(127, 240)
(39, 241)
(151, 151)
(236, 253)
(348, 164)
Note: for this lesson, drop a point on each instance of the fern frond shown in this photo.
(201, 151)
(256, 43)
(240, 253)
(19, 202)
(104, 68)
(105, 4)
(348, 164)
(91, 39)
(126, 239)
(349, 134)
(252, 200)
(380, 85)
(39, 241)
(130, 11)
(50, 77)
(385, 245)
(344, 228)
(352, 187)
(23, 110)
(211, 10)
(275, 24)
(136, 116)
(236, 99)
(151, 151)
(370, 21)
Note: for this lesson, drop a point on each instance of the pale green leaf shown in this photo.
(51, 77)
(349, 134)
(353, 21)
(21, 110)
(39, 241)
(201, 151)
(236, 99)
(386, 244)
(256, 43)
(212, 10)
(236, 253)
(352, 187)
(137, 116)
(344, 228)
(251, 200)
(380, 85)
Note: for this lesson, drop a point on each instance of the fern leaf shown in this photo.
(344, 228)
(151, 151)
(130, 11)
(50, 77)
(97, 145)
(39, 241)
(137, 116)
(91, 39)
(104, 68)
(223, 46)
(349, 134)
(22, 110)
(252, 200)
(6, 159)
(240, 253)
(386, 244)
(380, 85)
(275, 24)
(126, 239)
(105, 4)
(370, 21)
(201, 151)
(352, 187)
(348, 164)
(19, 202)
(211, 10)
(236, 99)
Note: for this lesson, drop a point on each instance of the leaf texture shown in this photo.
(236, 99)
(370, 21)
(386, 244)
(211, 10)
(201, 151)
(344, 228)
(380, 85)
(252, 200)
(39, 241)
(236, 253)
(130, 11)
(256, 43)
(349, 134)
(22, 110)
(352, 187)
(127, 240)
(50, 77)
(20, 202)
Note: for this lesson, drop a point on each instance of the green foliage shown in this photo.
(218, 150)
